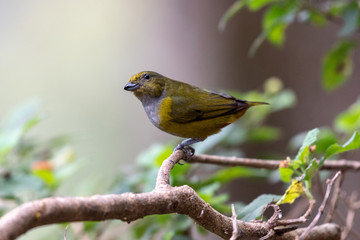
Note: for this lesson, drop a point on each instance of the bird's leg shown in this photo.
(184, 145)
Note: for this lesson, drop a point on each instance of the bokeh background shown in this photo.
(76, 56)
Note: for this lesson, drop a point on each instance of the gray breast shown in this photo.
(151, 106)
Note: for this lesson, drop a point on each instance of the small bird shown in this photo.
(184, 110)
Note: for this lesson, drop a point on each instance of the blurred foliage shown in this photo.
(337, 64)
(349, 120)
(30, 168)
(254, 209)
(317, 146)
(280, 14)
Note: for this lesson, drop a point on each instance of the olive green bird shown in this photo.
(184, 110)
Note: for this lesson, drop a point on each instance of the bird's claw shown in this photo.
(189, 151)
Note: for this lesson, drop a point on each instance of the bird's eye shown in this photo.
(146, 76)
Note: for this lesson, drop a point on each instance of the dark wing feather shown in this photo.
(203, 105)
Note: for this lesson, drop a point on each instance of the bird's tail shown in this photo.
(251, 104)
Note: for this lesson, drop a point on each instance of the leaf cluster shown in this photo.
(30, 168)
(337, 64)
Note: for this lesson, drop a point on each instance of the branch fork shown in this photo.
(164, 199)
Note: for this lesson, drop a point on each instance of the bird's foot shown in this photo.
(189, 151)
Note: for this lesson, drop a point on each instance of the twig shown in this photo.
(356, 205)
(301, 219)
(235, 233)
(272, 222)
(79, 231)
(335, 198)
(286, 225)
(65, 233)
(345, 165)
(327, 231)
(321, 208)
(350, 215)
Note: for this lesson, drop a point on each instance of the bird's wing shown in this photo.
(204, 105)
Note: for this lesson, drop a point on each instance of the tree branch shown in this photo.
(329, 183)
(269, 164)
(334, 199)
(129, 207)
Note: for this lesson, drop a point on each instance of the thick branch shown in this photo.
(163, 177)
(128, 207)
(327, 231)
(269, 164)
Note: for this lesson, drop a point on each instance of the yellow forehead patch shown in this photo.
(136, 76)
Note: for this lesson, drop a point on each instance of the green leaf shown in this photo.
(326, 138)
(183, 223)
(18, 122)
(310, 138)
(294, 191)
(336, 8)
(169, 235)
(154, 155)
(46, 175)
(304, 156)
(209, 189)
(285, 174)
(228, 174)
(276, 19)
(255, 5)
(337, 65)
(351, 144)
(22, 187)
(317, 17)
(146, 231)
(253, 210)
(283, 100)
(90, 225)
(277, 34)
(178, 173)
(275, 22)
(235, 8)
(207, 193)
(311, 169)
(349, 120)
(351, 19)
(313, 15)
(264, 133)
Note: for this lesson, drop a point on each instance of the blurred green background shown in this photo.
(76, 56)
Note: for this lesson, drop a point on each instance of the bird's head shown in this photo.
(146, 84)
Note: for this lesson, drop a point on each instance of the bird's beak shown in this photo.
(131, 86)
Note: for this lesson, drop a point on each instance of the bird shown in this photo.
(185, 110)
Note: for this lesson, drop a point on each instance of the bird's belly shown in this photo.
(196, 129)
